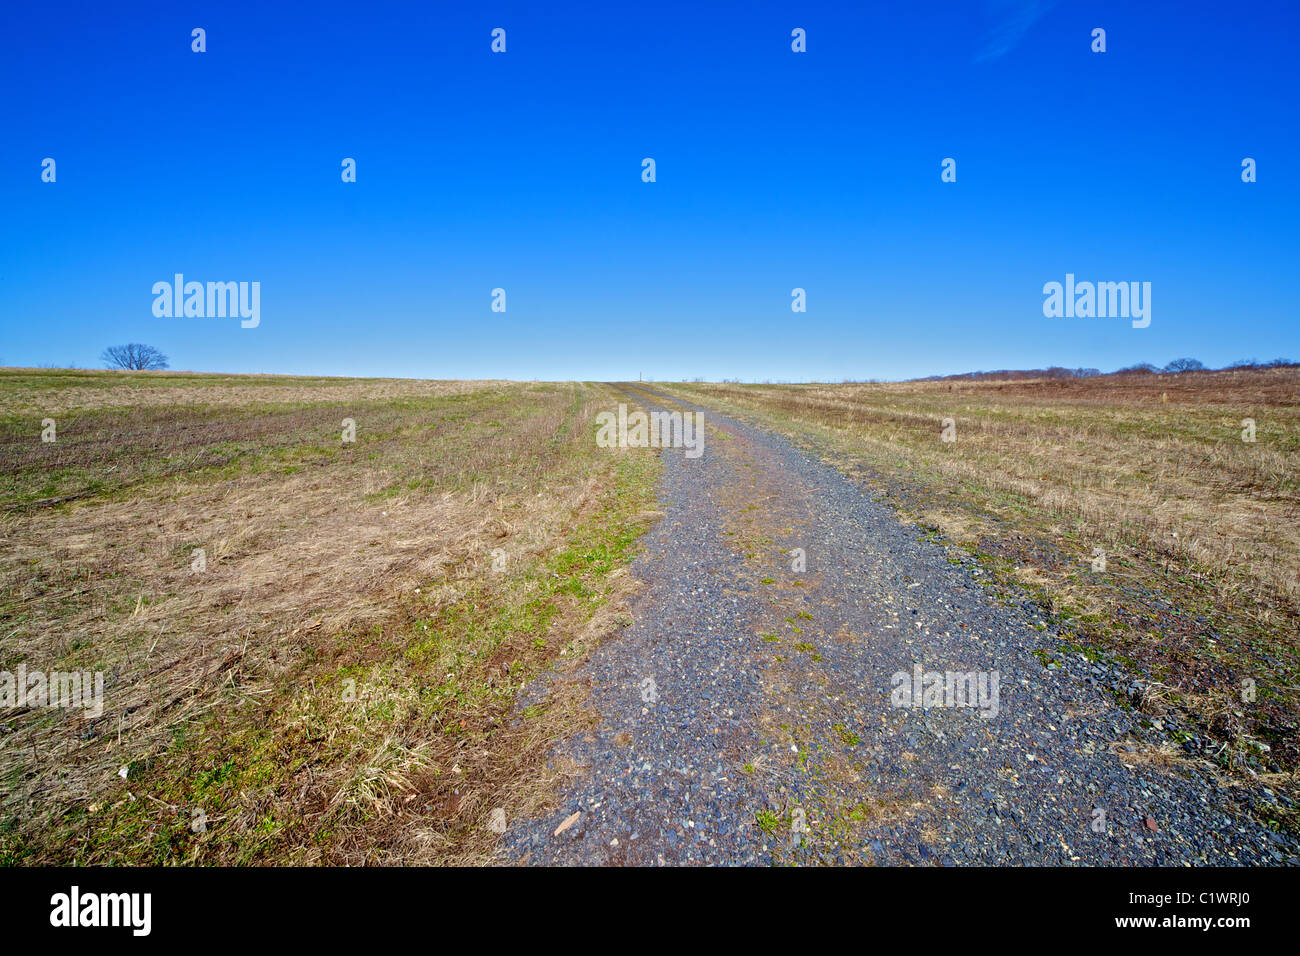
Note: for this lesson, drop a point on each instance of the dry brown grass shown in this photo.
(335, 685)
(58, 392)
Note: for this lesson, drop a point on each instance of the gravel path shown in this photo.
(750, 714)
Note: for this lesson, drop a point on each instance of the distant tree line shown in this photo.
(1059, 372)
(1142, 368)
(1193, 365)
(1055, 371)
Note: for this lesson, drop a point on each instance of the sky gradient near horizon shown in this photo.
(775, 170)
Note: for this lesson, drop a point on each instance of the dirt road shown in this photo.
(810, 680)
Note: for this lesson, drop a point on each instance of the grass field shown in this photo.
(1199, 529)
(313, 647)
(299, 633)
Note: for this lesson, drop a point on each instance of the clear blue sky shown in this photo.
(775, 170)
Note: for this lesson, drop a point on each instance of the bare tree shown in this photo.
(1184, 365)
(134, 356)
(1145, 368)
